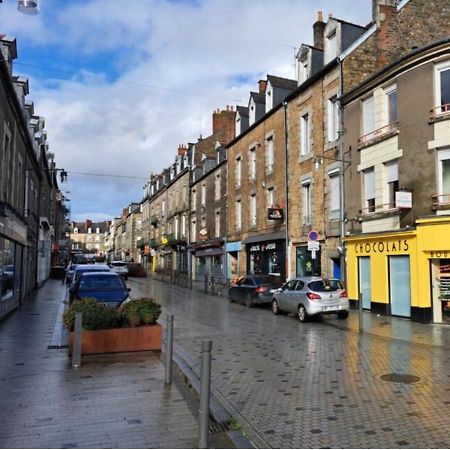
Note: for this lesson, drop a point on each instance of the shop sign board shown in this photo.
(203, 234)
(275, 214)
(263, 247)
(403, 199)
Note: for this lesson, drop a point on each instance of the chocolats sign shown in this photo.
(274, 214)
(263, 247)
(396, 246)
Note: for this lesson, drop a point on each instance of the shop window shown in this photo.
(444, 176)
(7, 268)
(306, 266)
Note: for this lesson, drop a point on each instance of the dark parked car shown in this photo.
(106, 287)
(254, 289)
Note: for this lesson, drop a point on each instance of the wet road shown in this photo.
(294, 385)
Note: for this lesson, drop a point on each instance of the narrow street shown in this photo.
(313, 385)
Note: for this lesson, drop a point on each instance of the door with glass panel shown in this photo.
(400, 285)
(365, 281)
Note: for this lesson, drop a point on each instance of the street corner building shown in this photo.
(398, 188)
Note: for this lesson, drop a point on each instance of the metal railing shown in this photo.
(385, 207)
(378, 132)
(441, 199)
(441, 110)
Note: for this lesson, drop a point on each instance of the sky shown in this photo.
(122, 84)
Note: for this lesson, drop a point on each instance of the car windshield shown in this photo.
(268, 279)
(119, 264)
(100, 282)
(325, 285)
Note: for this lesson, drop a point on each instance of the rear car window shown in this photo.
(119, 264)
(325, 285)
(100, 282)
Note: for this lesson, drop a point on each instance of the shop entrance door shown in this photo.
(400, 286)
(440, 289)
(365, 281)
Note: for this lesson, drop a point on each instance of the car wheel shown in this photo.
(249, 301)
(275, 308)
(342, 315)
(302, 314)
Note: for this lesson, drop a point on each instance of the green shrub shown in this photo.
(144, 311)
(96, 316)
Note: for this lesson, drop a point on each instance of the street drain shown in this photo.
(400, 378)
(216, 427)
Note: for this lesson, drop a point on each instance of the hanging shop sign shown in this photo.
(164, 240)
(275, 214)
(403, 199)
(203, 234)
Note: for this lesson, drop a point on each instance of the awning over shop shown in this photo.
(265, 237)
(209, 252)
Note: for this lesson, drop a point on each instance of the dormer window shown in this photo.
(269, 97)
(331, 46)
(252, 112)
(304, 63)
(238, 124)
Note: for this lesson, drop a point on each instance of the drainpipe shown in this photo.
(341, 180)
(286, 191)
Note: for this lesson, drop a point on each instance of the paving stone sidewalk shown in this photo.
(116, 401)
(312, 385)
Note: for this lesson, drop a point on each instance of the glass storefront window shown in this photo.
(306, 266)
(7, 268)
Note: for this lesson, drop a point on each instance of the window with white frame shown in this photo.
(203, 195)
(203, 222)
(183, 225)
(335, 197)
(369, 190)
(238, 171)
(391, 103)
(217, 186)
(270, 157)
(238, 214)
(333, 118)
(270, 197)
(303, 70)
(305, 135)
(252, 112)
(391, 168)
(443, 86)
(176, 227)
(238, 125)
(444, 176)
(194, 199)
(269, 97)
(368, 116)
(252, 209)
(163, 208)
(88, 238)
(307, 204)
(252, 163)
(217, 224)
(193, 237)
(97, 238)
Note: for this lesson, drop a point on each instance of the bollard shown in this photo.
(360, 306)
(169, 349)
(76, 352)
(205, 388)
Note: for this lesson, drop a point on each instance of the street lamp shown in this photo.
(30, 7)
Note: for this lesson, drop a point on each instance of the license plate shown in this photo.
(331, 308)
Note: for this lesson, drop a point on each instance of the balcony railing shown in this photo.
(441, 199)
(386, 207)
(378, 133)
(440, 111)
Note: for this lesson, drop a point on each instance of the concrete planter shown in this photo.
(133, 339)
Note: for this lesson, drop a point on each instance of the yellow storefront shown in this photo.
(405, 273)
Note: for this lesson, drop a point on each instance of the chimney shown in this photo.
(383, 15)
(181, 150)
(318, 31)
(88, 224)
(223, 122)
(262, 86)
(379, 8)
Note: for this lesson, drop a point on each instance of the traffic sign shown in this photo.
(313, 235)
(313, 245)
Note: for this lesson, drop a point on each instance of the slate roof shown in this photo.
(257, 97)
(283, 83)
(242, 110)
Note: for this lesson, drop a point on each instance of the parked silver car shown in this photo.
(311, 296)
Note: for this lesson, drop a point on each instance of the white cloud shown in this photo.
(121, 127)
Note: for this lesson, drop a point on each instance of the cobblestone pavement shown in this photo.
(312, 385)
(117, 401)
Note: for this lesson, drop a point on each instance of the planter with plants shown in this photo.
(132, 327)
